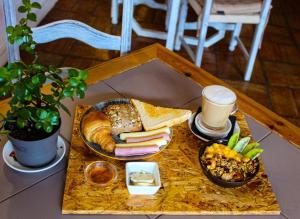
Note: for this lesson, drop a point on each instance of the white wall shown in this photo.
(47, 5)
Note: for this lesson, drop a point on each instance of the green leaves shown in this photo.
(73, 82)
(73, 73)
(38, 125)
(26, 2)
(38, 67)
(46, 119)
(6, 78)
(41, 118)
(10, 29)
(21, 34)
(53, 117)
(29, 106)
(82, 86)
(36, 5)
(68, 92)
(22, 9)
(31, 16)
(83, 75)
(80, 94)
(35, 79)
(47, 127)
(24, 113)
(4, 74)
(27, 6)
(42, 114)
(76, 83)
(21, 122)
(4, 91)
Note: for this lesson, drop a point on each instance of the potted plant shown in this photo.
(33, 121)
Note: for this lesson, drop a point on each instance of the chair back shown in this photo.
(75, 30)
(233, 11)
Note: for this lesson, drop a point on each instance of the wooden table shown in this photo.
(161, 77)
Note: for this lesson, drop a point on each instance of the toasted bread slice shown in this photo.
(155, 117)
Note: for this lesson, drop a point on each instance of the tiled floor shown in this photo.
(276, 79)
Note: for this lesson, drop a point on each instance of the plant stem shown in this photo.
(35, 58)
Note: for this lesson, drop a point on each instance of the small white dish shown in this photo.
(191, 120)
(151, 167)
(14, 164)
(210, 132)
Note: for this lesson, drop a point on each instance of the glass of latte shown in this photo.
(217, 104)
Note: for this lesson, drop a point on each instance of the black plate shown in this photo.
(96, 147)
(217, 180)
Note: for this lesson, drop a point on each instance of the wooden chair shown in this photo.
(137, 28)
(74, 29)
(223, 15)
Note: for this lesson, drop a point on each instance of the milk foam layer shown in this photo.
(219, 94)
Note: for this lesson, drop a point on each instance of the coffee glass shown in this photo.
(217, 104)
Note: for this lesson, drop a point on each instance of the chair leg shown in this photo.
(9, 9)
(127, 17)
(203, 31)
(182, 20)
(235, 34)
(252, 57)
(257, 39)
(175, 4)
(114, 11)
(167, 20)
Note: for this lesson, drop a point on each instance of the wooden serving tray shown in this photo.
(185, 189)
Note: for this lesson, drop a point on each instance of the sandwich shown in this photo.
(155, 117)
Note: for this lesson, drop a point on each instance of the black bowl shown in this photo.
(217, 180)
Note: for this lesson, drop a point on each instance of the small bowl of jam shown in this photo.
(100, 173)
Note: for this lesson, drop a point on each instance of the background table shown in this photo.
(154, 74)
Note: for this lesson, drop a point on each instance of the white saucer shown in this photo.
(191, 119)
(212, 133)
(12, 163)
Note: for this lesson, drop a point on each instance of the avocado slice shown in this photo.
(241, 144)
(233, 140)
(254, 153)
(249, 147)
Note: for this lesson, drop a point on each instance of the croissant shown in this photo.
(102, 136)
(97, 129)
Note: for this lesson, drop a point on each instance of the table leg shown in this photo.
(175, 4)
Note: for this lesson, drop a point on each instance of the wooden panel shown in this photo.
(185, 189)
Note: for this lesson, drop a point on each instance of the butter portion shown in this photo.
(142, 178)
